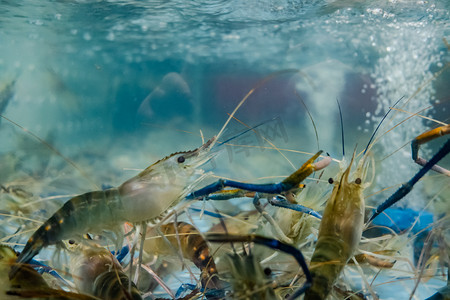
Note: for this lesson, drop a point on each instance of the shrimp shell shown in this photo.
(339, 233)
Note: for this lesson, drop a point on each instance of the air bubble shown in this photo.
(110, 36)
(87, 36)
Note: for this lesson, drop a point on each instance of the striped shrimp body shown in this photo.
(192, 246)
(144, 197)
(340, 231)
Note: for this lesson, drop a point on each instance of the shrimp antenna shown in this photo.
(379, 124)
(245, 131)
(342, 127)
(265, 139)
(310, 117)
(222, 223)
(258, 85)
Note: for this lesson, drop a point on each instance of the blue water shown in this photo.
(116, 85)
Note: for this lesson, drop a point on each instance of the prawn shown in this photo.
(27, 282)
(250, 280)
(192, 245)
(340, 230)
(342, 223)
(144, 197)
(98, 273)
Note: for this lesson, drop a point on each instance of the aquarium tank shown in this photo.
(150, 149)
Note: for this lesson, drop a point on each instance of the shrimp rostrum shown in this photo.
(142, 198)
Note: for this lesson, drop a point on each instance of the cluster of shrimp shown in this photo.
(312, 241)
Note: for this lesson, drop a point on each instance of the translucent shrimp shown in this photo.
(27, 282)
(144, 197)
(340, 230)
(7, 91)
(250, 280)
(342, 223)
(97, 272)
(192, 246)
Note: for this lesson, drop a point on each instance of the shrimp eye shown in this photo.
(330, 180)
(181, 159)
(267, 271)
(71, 242)
(358, 181)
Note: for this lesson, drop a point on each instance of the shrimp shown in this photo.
(250, 280)
(34, 280)
(192, 245)
(341, 227)
(431, 257)
(97, 272)
(343, 219)
(27, 282)
(340, 230)
(7, 91)
(144, 197)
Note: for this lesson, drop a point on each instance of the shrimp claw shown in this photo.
(287, 184)
(424, 138)
(407, 187)
(282, 202)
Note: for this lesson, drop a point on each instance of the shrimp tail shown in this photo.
(40, 239)
(31, 250)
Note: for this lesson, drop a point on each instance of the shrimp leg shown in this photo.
(424, 138)
(407, 187)
(282, 202)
